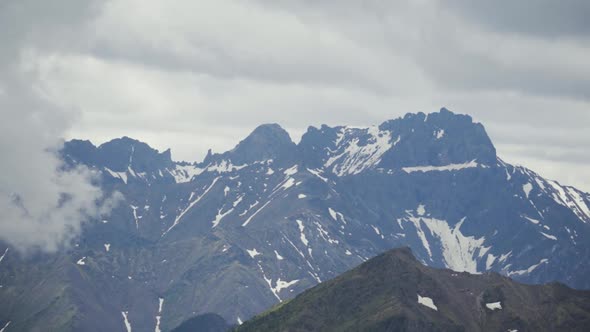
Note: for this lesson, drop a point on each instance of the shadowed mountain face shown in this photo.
(395, 292)
(204, 323)
(246, 229)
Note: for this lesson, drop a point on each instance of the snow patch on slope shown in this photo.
(490, 261)
(253, 252)
(494, 305)
(302, 234)
(579, 203)
(288, 183)
(426, 301)
(5, 326)
(224, 167)
(291, 171)
(4, 254)
(421, 210)
(279, 257)
(570, 198)
(255, 213)
(527, 271)
(439, 133)
(317, 173)
(279, 284)
(336, 214)
(117, 175)
(159, 316)
(459, 251)
(135, 216)
(527, 189)
(179, 217)
(333, 214)
(220, 216)
(354, 157)
(126, 320)
(550, 237)
(534, 221)
(450, 167)
(184, 173)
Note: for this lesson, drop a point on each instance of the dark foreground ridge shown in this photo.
(394, 292)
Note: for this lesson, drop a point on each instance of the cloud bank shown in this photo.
(42, 204)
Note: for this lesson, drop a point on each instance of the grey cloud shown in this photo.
(263, 45)
(540, 18)
(455, 46)
(43, 206)
(576, 155)
(453, 67)
(52, 26)
(193, 75)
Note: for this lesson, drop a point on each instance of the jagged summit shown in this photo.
(441, 139)
(81, 150)
(438, 139)
(442, 114)
(119, 155)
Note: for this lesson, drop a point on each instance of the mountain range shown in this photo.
(249, 228)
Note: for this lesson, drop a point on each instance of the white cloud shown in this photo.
(43, 203)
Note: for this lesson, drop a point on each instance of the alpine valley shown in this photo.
(246, 229)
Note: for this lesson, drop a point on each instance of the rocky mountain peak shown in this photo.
(267, 141)
(123, 153)
(437, 139)
(441, 139)
(80, 150)
(119, 155)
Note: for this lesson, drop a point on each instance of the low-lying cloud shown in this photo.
(43, 203)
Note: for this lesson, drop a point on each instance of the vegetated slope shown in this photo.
(395, 292)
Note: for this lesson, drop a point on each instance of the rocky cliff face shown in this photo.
(248, 228)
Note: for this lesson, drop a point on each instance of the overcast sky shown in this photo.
(193, 75)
